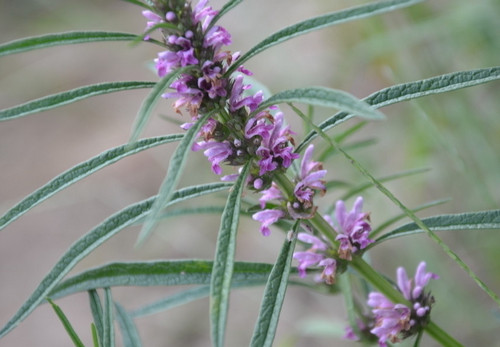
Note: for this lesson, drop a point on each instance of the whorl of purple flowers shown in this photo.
(394, 322)
(235, 135)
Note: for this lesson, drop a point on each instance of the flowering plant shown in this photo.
(268, 169)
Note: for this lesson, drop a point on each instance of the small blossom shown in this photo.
(353, 228)
(394, 322)
(309, 179)
(203, 14)
(316, 256)
(266, 218)
(273, 193)
(216, 152)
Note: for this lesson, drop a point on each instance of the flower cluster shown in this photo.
(353, 229)
(300, 205)
(317, 255)
(394, 322)
(237, 133)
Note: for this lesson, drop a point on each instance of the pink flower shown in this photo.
(266, 218)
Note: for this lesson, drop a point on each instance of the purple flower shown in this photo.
(266, 218)
(216, 37)
(390, 319)
(353, 228)
(274, 150)
(309, 179)
(273, 193)
(236, 99)
(211, 81)
(396, 321)
(216, 152)
(153, 19)
(316, 256)
(204, 14)
(188, 97)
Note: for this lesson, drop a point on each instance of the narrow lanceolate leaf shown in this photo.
(274, 295)
(222, 273)
(155, 273)
(67, 325)
(321, 22)
(174, 172)
(462, 221)
(226, 8)
(130, 334)
(324, 97)
(149, 103)
(81, 171)
(192, 294)
(412, 90)
(97, 313)
(108, 320)
(94, 239)
(49, 40)
(70, 96)
(139, 3)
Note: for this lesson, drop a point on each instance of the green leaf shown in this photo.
(344, 282)
(412, 90)
(226, 8)
(151, 100)
(323, 97)
(384, 225)
(95, 338)
(223, 267)
(81, 171)
(49, 40)
(139, 3)
(155, 273)
(130, 334)
(108, 320)
(274, 295)
(90, 241)
(174, 171)
(462, 221)
(70, 96)
(321, 22)
(189, 295)
(67, 325)
(97, 313)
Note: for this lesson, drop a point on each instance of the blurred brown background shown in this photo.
(456, 135)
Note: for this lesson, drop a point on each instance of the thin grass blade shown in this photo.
(70, 96)
(81, 171)
(67, 325)
(321, 22)
(274, 295)
(223, 268)
(382, 226)
(411, 90)
(130, 334)
(97, 313)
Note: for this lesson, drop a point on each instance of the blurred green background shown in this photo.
(455, 135)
